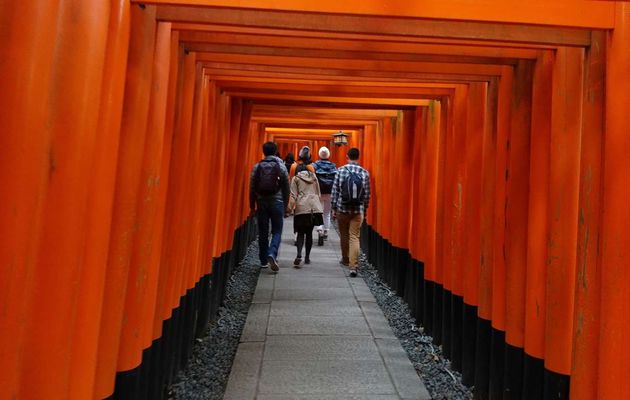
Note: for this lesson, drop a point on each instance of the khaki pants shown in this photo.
(349, 231)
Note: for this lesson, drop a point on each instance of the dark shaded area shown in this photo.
(491, 367)
(170, 353)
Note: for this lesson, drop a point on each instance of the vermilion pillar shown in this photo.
(614, 375)
(564, 174)
(133, 130)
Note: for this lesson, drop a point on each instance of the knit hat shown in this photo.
(324, 153)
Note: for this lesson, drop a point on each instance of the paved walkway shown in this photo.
(314, 333)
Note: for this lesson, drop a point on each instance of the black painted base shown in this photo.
(496, 369)
(169, 354)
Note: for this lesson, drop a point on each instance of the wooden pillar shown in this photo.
(564, 173)
(614, 379)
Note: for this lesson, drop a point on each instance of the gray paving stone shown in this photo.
(313, 294)
(363, 293)
(245, 372)
(327, 397)
(310, 347)
(358, 283)
(331, 308)
(317, 325)
(406, 380)
(256, 324)
(327, 377)
(264, 288)
(376, 320)
(300, 281)
(314, 272)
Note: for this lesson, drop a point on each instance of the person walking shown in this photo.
(303, 162)
(288, 161)
(326, 172)
(307, 210)
(268, 198)
(350, 201)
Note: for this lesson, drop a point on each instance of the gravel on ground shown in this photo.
(433, 368)
(206, 375)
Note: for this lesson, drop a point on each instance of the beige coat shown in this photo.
(305, 194)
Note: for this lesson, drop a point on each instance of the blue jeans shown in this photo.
(269, 210)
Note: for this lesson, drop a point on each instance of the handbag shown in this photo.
(317, 219)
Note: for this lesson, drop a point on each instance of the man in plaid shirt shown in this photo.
(350, 214)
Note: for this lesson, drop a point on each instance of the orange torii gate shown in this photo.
(126, 126)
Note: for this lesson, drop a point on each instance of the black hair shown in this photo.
(289, 158)
(353, 154)
(305, 155)
(269, 149)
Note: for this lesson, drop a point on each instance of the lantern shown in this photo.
(340, 138)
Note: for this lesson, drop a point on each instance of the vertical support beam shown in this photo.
(160, 241)
(477, 98)
(143, 275)
(538, 227)
(124, 218)
(454, 208)
(486, 240)
(499, 310)
(103, 180)
(438, 254)
(587, 288)
(72, 99)
(517, 192)
(566, 128)
(614, 379)
(27, 53)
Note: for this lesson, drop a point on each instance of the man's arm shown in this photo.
(367, 190)
(252, 188)
(335, 191)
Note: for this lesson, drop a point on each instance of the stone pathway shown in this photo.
(315, 334)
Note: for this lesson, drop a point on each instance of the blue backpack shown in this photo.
(326, 172)
(352, 189)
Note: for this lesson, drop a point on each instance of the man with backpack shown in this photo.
(326, 172)
(269, 197)
(350, 201)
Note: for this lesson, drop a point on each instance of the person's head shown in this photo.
(353, 154)
(324, 153)
(290, 158)
(269, 149)
(305, 154)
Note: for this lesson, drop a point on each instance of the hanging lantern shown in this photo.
(340, 138)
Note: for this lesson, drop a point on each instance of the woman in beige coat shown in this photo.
(307, 210)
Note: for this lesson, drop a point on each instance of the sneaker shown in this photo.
(297, 262)
(263, 266)
(273, 264)
(307, 260)
(353, 273)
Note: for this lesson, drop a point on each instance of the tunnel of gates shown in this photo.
(496, 137)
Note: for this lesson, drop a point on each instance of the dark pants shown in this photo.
(300, 243)
(269, 210)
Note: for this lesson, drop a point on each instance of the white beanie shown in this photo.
(324, 153)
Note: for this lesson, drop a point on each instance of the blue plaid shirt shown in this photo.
(342, 175)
